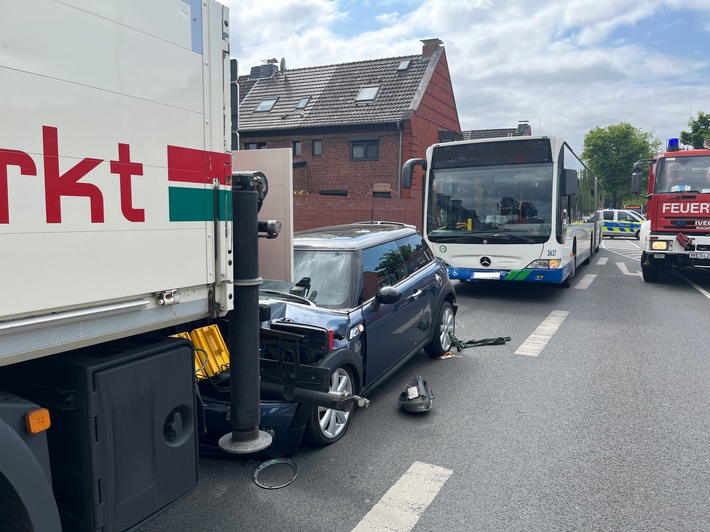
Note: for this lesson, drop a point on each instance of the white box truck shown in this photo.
(115, 223)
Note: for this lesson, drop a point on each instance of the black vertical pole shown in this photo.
(244, 323)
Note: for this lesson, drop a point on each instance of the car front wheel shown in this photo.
(443, 331)
(328, 425)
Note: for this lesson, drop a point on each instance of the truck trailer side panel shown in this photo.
(114, 170)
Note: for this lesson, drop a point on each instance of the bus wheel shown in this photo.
(588, 260)
(568, 282)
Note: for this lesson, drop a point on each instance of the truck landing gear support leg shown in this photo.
(244, 322)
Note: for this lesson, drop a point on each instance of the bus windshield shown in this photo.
(510, 204)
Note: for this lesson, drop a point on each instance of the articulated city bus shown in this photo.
(508, 209)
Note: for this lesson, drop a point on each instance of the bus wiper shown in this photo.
(508, 236)
(448, 239)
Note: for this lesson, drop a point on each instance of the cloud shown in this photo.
(565, 66)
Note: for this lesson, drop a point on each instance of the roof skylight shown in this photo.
(404, 65)
(266, 105)
(367, 94)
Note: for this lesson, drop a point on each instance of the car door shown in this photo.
(390, 329)
(628, 223)
(423, 279)
(609, 222)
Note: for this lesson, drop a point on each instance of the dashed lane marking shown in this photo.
(585, 281)
(602, 261)
(401, 507)
(537, 341)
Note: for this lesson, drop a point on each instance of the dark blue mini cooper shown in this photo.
(367, 297)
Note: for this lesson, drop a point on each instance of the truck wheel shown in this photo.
(649, 272)
(328, 425)
(444, 329)
(13, 515)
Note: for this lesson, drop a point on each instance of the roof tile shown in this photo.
(333, 90)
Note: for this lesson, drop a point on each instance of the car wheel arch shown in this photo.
(345, 357)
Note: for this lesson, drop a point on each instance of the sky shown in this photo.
(564, 66)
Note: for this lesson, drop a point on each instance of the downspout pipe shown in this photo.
(400, 128)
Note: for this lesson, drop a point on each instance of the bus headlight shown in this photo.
(544, 264)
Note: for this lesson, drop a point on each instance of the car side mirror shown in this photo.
(386, 295)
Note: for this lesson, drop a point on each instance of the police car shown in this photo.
(620, 222)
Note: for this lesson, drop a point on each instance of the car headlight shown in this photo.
(659, 245)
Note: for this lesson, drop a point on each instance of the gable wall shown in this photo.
(334, 170)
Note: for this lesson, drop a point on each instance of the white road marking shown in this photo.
(584, 283)
(540, 336)
(625, 270)
(602, 261)
(625, 248)
(693, 284)
(401, 507)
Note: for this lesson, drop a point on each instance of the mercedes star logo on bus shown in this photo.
(485, 261)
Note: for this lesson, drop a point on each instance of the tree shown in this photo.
(610, 153)
(699, 131)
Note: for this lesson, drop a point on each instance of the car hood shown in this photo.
(337, 321)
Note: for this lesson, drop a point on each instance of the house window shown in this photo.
(304, 101)
(367, 94)
(296, 148)
(255, 145)
(266, 105)
(318, 147)
(365, 150)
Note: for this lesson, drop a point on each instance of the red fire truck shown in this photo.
(677, 228)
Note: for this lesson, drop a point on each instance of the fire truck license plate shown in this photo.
(700, 255)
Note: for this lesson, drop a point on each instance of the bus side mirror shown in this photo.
(570, 183)
(407, 170)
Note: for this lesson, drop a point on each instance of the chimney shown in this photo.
(430, 46)
(268, 69)
(524, 128)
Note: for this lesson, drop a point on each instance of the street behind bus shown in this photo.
(593, 417)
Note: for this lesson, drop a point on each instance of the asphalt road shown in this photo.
(606, 428)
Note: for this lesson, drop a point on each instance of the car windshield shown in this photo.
(329, 275)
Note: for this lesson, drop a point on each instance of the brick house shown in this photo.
(351, 126)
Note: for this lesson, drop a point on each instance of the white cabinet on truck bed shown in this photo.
(115, 201)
